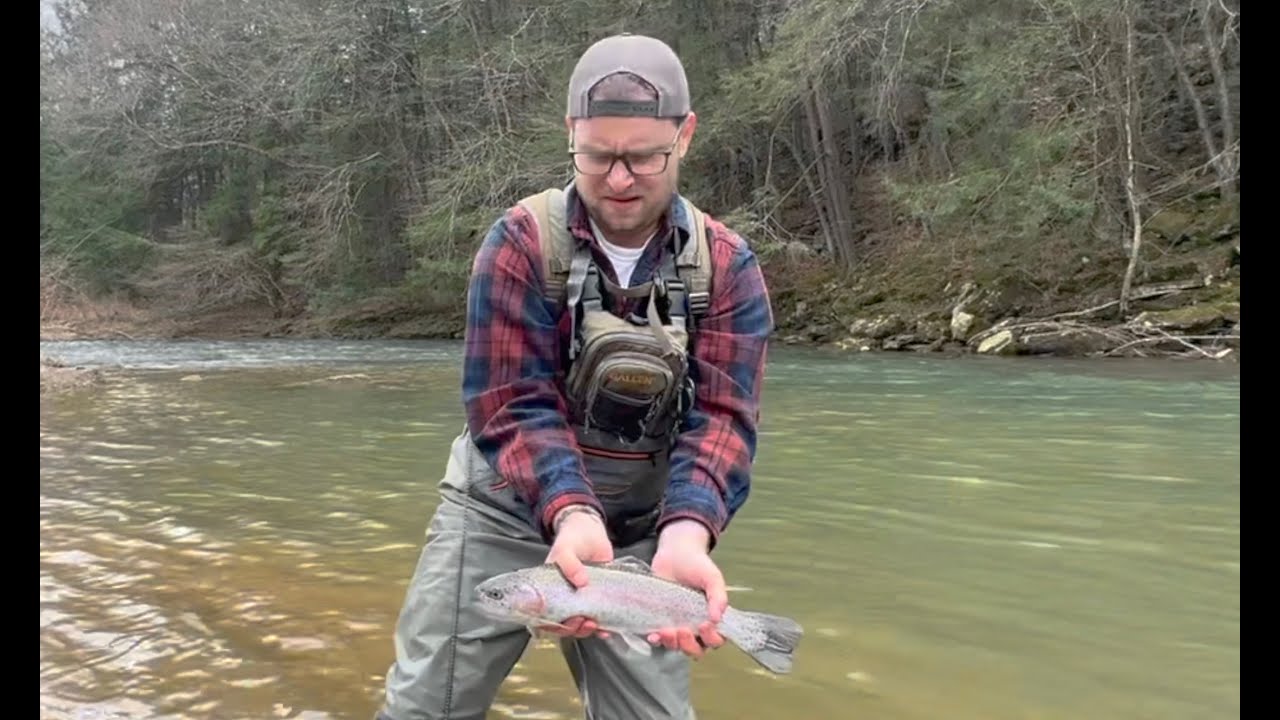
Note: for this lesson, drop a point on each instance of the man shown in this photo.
(612, 386)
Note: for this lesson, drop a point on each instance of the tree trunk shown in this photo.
(1132, 192)
(835, 196)
(815, 195)
(1202, 118)
(1228, 157)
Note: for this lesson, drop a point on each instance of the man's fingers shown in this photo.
(709, 637)
(671, 639)
(665, 638)
(572, 569)
(682, 639)
(717, 598)
(586, 629)
(688, 643)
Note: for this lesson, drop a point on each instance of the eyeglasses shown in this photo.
(638, 164)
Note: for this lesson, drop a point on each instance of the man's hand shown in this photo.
(580, 538)
(682, 556)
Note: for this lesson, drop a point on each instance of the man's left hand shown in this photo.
(682, 557)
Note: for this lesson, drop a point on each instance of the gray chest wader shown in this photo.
(627, 387)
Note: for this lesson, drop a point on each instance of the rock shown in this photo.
(857, 343)
(794, 250)
(1169, 224)
(901, 341)
(1172, 272)
(57, 377)
(1192, 319)
(1002, 343)
(930, 330)
(976, 307)
(820, 333)
(961, 324)
(968, 292)
(869, 298)
(1069, 342)
(1201, 223)
(877, 328)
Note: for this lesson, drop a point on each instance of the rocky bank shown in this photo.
(56, 377)
(1038, 298)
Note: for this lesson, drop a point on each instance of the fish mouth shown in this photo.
(495, 610)
(505, 614)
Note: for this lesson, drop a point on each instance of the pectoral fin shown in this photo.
(539, 630)
(635, 643)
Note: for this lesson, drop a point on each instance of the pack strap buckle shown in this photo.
(699, 302)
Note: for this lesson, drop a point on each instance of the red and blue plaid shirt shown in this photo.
(513, 380)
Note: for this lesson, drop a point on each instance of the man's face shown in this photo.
(621, 202)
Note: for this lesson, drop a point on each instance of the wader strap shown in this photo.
(579, 269)
(550, 213)
(675, 290)
(695, 261)
(655, 323)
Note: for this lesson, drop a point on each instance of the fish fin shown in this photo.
(629, 563)
(634, 642)
(781, 636)
(539, 630)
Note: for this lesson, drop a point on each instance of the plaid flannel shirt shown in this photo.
(513, 384)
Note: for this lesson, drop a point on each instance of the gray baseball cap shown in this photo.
(646, 57)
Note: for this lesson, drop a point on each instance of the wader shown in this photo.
(451, 660)
(627, 388)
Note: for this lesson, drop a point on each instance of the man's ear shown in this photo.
(686, 133)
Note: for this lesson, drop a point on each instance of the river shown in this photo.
(227, 530)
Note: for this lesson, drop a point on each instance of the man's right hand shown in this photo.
(580, 538)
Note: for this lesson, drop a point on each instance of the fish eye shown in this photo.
(495, 594)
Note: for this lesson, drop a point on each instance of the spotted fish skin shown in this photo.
(624, 597)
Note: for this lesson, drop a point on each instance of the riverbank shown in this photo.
(909, 292)
(1190, 316)
(56, 376)
(1188, 307)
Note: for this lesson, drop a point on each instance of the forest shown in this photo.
(1003, 176)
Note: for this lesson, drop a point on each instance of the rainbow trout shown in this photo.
(626, 599)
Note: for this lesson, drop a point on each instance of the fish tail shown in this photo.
(770, 640)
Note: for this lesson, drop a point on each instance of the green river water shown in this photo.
(227, 530)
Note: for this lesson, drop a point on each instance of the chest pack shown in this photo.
(628, 381)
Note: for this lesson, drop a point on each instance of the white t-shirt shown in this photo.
(624, 259)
